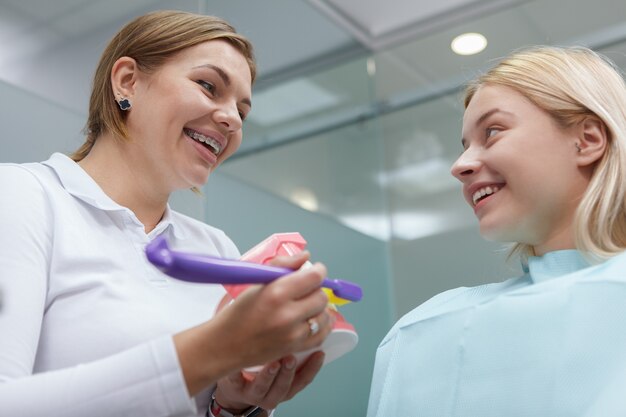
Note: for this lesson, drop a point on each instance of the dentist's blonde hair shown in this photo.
(572, 84)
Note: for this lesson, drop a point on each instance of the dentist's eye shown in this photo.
(207, 86)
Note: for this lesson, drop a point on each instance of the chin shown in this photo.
(198, 179)
(513, 234)
(498, 234)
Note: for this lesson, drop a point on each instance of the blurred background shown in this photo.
(356, 122)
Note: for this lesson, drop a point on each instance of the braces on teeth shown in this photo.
(204, 139)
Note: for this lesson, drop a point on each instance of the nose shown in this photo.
(466, 165)
(228, 116)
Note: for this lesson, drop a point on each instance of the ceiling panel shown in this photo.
(383, 24)
(32, 31)
(95, 14)
(284, 33)
(43, 10)
(21, 35)
(565, 21)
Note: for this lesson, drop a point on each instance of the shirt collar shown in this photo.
(167, 222)
(79, 184)
(555, 264)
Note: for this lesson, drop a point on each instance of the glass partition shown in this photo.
(304, 106)
(32, 128)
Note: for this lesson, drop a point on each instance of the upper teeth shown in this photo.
(215, 145)
(483, 192)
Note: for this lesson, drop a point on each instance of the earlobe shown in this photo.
(123, 77)
(592, 141)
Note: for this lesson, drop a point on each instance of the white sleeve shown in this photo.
(143, 381)
(25, 245)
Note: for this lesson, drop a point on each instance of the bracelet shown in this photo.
(216, 410)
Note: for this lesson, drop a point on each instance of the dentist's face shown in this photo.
(187, 116)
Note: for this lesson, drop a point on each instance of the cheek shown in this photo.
(173, 104)
(509, 220)
(152, 115)
(233, 145)
(525, 215)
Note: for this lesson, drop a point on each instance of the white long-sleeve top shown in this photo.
(87, 322)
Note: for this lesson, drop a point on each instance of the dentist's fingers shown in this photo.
(292, 262)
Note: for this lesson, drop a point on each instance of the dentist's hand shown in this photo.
(277, 382)
(264, 324)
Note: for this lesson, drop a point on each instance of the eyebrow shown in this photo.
(222, 74)
(484, 117)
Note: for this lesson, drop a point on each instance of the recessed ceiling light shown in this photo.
(468, 43)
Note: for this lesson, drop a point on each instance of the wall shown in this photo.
(457, 258)
(32, 128)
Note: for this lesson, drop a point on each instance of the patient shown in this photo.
(543, 167)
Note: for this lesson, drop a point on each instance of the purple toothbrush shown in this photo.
(208, 269)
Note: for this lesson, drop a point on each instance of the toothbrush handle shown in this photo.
(202, 268)
(206, 269)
